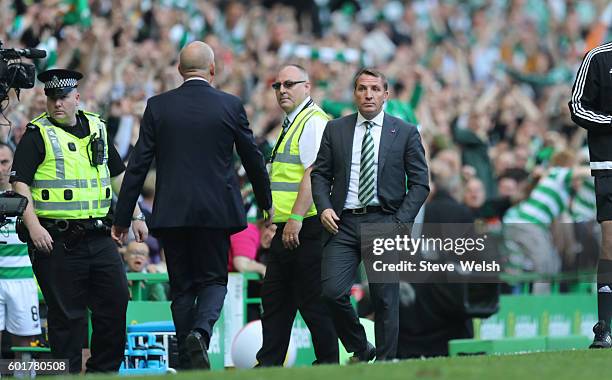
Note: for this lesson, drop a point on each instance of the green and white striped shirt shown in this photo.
(583, 208)
(14, 260)
(547, 200)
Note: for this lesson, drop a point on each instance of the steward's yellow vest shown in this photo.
(65, 185)
(287, 169)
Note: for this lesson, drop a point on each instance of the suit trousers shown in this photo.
(197, 270)
(341, 258)
(88, 276)
(292, 283)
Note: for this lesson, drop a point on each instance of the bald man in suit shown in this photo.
(191, 132)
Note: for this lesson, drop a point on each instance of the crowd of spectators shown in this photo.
(487, 81)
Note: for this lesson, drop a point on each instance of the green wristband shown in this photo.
(297, 217)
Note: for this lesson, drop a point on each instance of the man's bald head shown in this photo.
(197, 60)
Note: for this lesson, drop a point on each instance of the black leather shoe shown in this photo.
(364, 356)
(195, 347)
(602, 336)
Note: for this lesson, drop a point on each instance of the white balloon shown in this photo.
(249, 340)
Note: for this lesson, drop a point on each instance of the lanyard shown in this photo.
(284, 132)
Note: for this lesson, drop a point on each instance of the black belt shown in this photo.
(363, 210)
(63, 225)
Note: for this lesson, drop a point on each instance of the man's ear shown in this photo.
(211, 70)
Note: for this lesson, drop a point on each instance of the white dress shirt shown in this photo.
(310, 141)
(196, 78)
(352, 199)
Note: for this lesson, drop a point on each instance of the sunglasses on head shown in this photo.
(288, 84)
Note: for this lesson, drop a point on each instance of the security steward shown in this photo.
(293, 273)
(64, 165)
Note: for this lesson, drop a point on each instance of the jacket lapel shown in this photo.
(348, 133)
(387, 136)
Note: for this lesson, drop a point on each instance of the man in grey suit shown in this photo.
(360, 176)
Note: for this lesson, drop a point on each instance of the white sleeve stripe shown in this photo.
(579, 89)
(601, 165)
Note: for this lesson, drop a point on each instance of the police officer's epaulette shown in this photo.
(44, 114)
(92, 114)
(31, 126)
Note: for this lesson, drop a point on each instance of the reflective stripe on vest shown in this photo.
(70, 183)
(284, 186)
(57, 152)
(52, 206)
(77, 205)
(287, 170)
(284, 155)
(101, 204)
(65, 184)
(61, 183)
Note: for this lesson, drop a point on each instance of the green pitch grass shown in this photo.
(583, 364)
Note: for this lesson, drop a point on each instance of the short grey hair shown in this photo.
(299, 67)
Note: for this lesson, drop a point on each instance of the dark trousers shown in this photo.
(341, 258)
(292, 283)
(197, 270)
(91, 275)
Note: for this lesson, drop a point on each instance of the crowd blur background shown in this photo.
(486, 81)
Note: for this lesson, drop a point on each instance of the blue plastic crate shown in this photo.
(144, 356)
(157, 326)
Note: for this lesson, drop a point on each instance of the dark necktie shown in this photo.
(367, 171)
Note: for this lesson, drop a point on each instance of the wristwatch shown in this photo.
(139, 217)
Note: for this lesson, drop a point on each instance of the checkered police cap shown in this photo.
(55, 82)
(59, 82)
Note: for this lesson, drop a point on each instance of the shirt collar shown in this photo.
(291, 115)
(195, 78)
(376, 120)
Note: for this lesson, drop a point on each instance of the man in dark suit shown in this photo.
(191, 132)
(360, 176)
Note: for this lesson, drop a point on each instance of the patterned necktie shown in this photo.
(367, 170)
(285, 123)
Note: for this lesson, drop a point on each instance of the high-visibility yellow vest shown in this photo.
(66, 185)
(287, 169)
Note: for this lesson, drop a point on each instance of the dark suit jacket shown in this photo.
(401, 161)
(191, 132)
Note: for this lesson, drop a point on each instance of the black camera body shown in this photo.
(11, 205)
(15, 74)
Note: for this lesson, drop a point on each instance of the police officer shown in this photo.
(64, 165)
(293, 273)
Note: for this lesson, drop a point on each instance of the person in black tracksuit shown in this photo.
(591, 108)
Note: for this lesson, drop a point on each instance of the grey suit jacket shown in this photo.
(403, 180)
